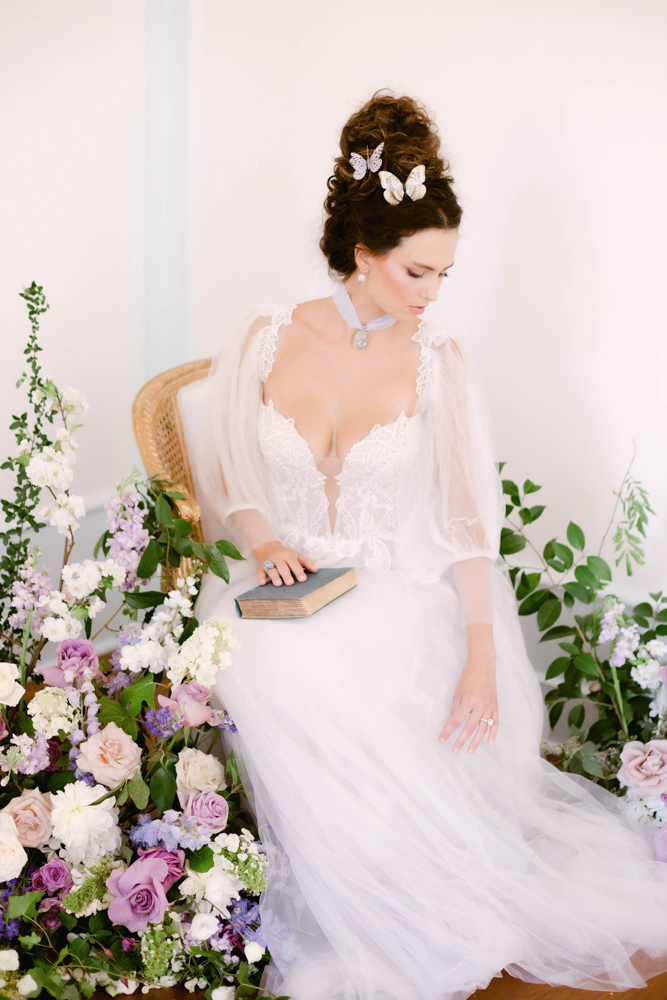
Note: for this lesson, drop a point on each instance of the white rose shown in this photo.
(81, 824)
(223, 993)
(9, 960)
(221, 888)
(12, 856)
(26, 985)
(198, 772)
(204, 926)
(253, 951)
(11, 691)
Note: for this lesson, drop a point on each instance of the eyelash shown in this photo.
(445, 275)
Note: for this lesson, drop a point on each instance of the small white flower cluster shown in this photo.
(240, 854)
(51, 469)
(203, 654)
(63, 512)
(215, 888)
(55, 710)
(159, 639)
(649, 672)
(64, 619)
(648, 809)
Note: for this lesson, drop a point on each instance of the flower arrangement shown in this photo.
(126, 858)
(612, 664)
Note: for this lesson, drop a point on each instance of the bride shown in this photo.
(418, 843)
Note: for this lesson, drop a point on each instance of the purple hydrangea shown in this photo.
(170, 832)
(245, 919)
(163, 722)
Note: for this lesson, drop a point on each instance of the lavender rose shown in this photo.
(174, 859)
(139, 894)
(52, 876)
(644, 768)
(189, 700)
(209, 810)
(51, 907)
(75, 656)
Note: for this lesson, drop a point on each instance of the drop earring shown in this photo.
(362, 276)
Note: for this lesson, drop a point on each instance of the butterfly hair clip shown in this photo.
(394, 191)
(363, 163)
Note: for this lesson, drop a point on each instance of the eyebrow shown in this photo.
(427, 268)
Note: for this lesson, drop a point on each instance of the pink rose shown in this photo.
(190, 701)
(139, 894)
(209, 810)
(52, 876)
(111, 756)
(644, 768)
(74, 656)
(174, 859)
(51, 907)
(31, 811)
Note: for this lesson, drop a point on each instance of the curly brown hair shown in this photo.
(357, 213)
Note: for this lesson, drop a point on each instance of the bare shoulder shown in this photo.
(315, 317)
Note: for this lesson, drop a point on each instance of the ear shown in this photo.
(362, 258)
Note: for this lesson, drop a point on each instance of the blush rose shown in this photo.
(138, 891)
(31, 811)
(190, 701)
(644, 767)
(111, 756)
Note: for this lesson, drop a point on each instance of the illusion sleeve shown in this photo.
(230, 470)
(470, 487)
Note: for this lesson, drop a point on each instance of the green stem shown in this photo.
(24, 647)
(617, 689)
(618, 500)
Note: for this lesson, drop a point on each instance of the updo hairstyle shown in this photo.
(357, 213)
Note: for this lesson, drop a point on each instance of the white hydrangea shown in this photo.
(158, 641)
(83, 825)
(53, 711)
(203, 654)
(656, 649)
(648, 674)
(218, 886)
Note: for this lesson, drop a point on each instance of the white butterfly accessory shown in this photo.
(363, 163)
(414, 186)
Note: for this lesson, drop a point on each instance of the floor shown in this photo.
(513, 989)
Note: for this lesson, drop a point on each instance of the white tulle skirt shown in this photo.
(400, 871)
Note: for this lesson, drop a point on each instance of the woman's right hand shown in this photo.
(288, 563)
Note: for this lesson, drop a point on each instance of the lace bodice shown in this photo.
(369, 481)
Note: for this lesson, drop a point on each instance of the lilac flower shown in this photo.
(25, 597)
(223, 720)
(129, 538)
(163, 722)
(116, 681)
(172, 831)
(36, 750)
(624, 646)
(609, 626)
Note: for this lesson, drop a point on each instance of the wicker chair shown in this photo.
(158, 431)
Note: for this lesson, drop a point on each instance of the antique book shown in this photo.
(299, 599)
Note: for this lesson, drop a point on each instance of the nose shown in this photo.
(430, 292)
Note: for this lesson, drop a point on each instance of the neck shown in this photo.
(362, 300)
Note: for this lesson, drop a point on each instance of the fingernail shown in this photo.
(442, 739)
(456, 749)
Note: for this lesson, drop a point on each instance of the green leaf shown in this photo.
(548, 613)
(68, 920)
(163, 511)
(188, 630)
(232, 770)
(510, 488)
(23, 906)
(123, 795)
(569, 600)
(558, 632)
(602, 730)
(599, 567)
(559, 557)
(511, 542)
(149, 560)
(643, 610)
(201, 860)
(174, 494)
(57, 780)
(183, 546)
(555, 713)
(217, 564)
(79, 948)
(138, 790)
(586, 664)
(534, 601)
(530, 487)
(576, 764)
(576, 717)
(87, 988)
(227, 549)
(133, 697)
(591, 766)
(569, 647)
(28, 942)
(181, 527)
(144, 599)
(163, 789)
(557, 667)
(578, 592)
(527, 584)
(575, 536)
(112, 711)
(530, 514)
(586, 577)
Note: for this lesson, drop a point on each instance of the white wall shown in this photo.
(552, 112)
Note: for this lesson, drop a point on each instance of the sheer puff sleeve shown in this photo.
(452, 500)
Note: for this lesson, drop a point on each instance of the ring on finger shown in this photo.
(268, 565)
(489, 722)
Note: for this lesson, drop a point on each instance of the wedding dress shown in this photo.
(400, 871)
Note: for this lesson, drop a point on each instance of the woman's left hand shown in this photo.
(475, 697)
